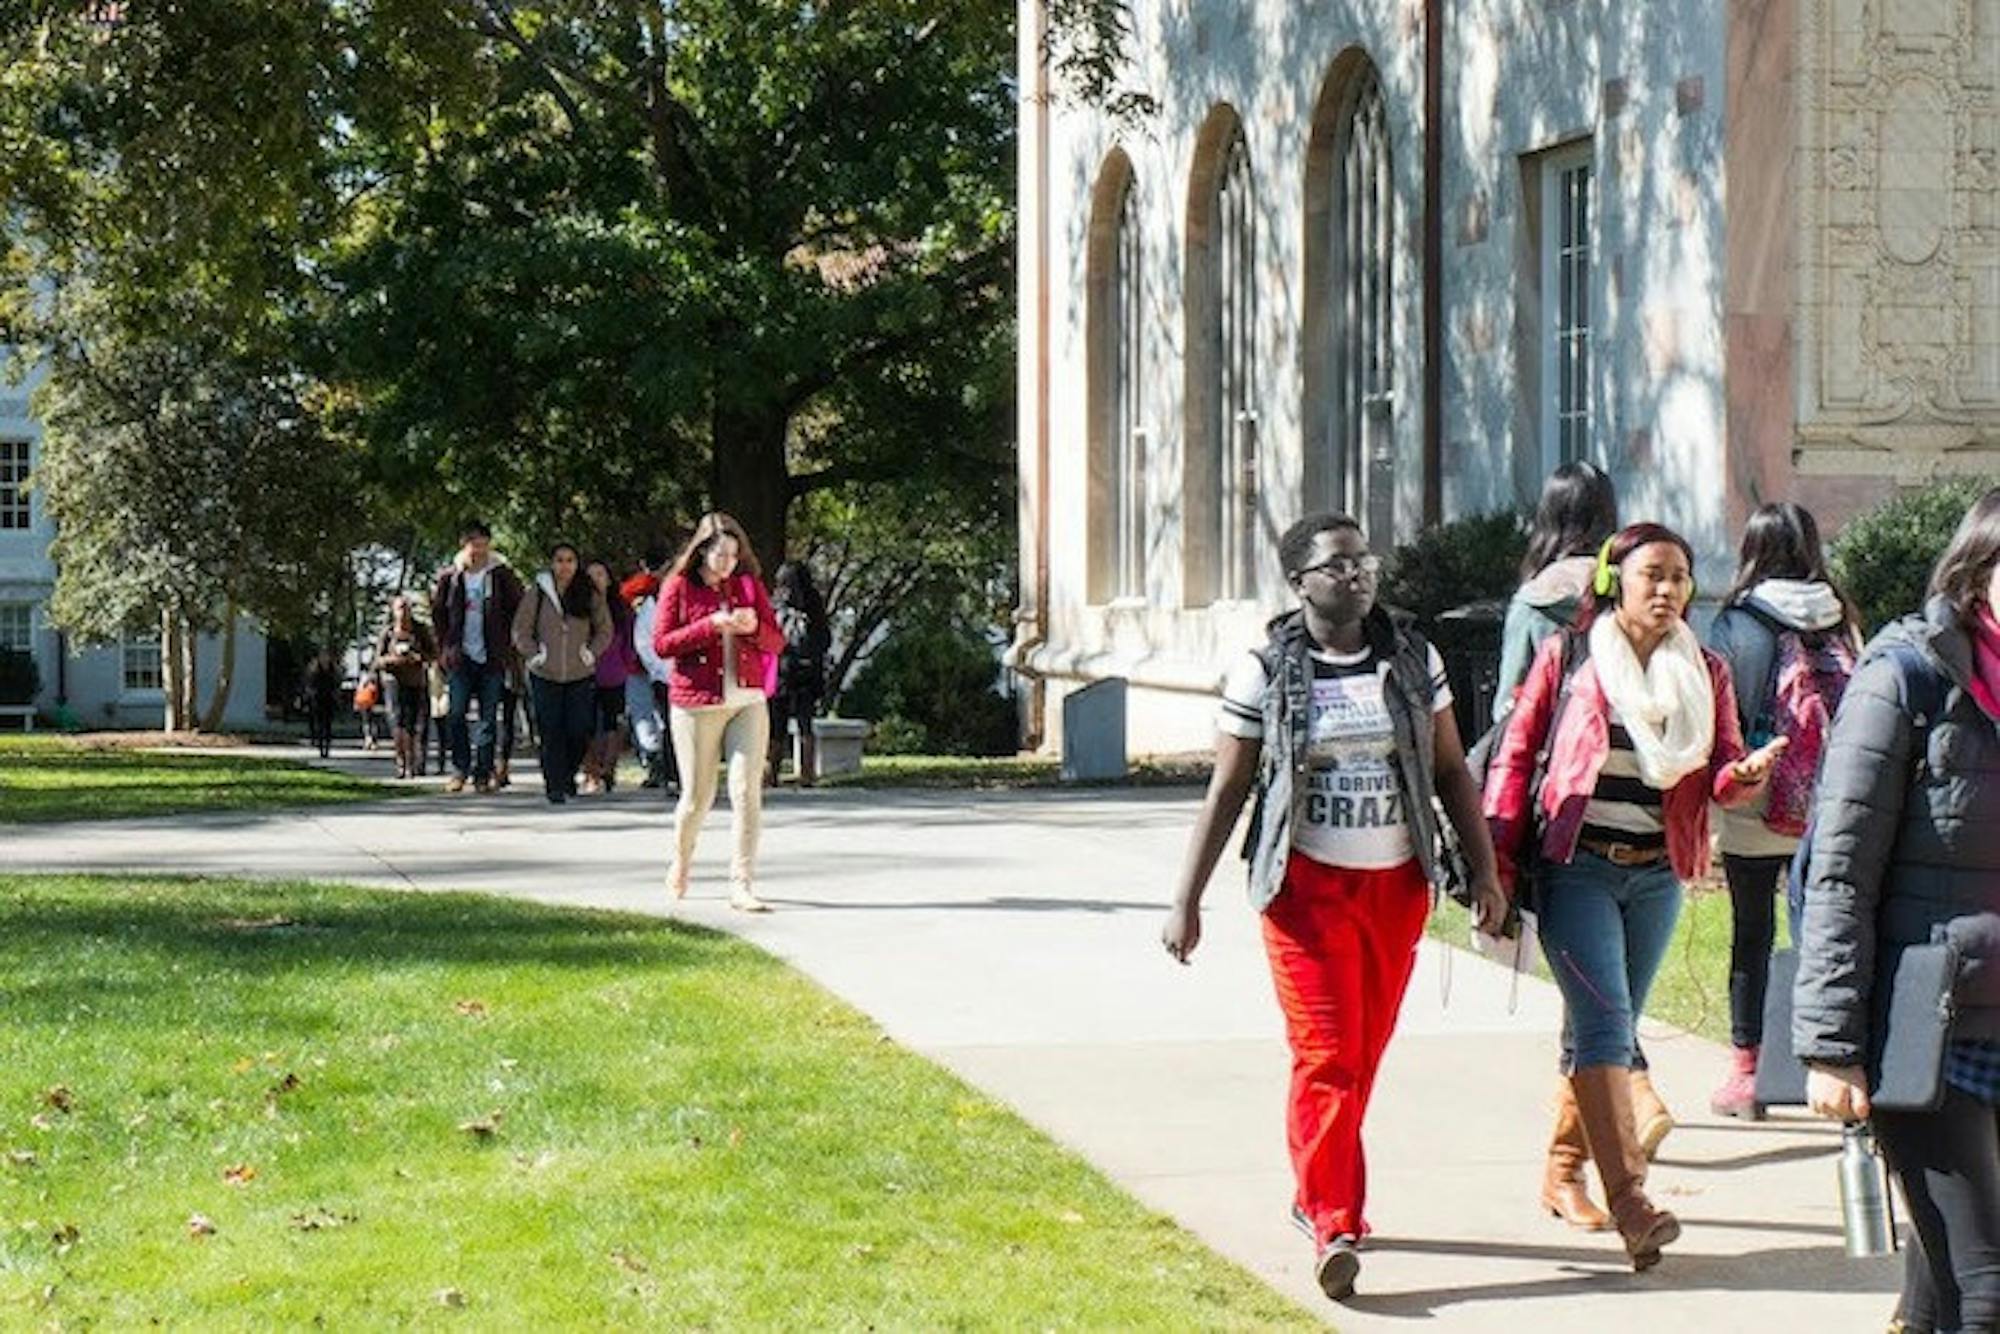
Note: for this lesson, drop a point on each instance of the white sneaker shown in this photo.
(744, 899)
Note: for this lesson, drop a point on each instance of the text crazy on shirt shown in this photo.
(1351, 811)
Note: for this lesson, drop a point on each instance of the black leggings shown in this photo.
(1948, 1162)
(1754, 883)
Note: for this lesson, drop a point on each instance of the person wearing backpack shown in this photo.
(1905, 851)
(1790, 638)
(1342, 722)
(801, 669)
(1598, 800)
(1577, 511)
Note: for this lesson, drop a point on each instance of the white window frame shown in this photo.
(26, 612)
(1364, 240)
(1567, 245)
(143, 643)
(17, 506)
(1234, 384)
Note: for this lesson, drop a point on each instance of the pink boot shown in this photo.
(1737, 1095)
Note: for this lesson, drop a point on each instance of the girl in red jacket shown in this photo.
(715, 622)
(1633, 727)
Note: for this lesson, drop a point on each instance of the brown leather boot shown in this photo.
(1604, 1101)
(1649, 1115)
(1564, 1191)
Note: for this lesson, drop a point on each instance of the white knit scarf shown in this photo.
(1668, 707)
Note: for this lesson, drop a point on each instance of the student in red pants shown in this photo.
(1342, 722)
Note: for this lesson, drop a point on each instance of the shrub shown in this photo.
(1883, 558)
(20, 679)
(1467, 560)
(932, 686)
(897, 735)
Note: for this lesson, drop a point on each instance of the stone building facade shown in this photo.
(1733, 253)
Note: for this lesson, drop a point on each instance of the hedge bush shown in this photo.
(1883, 558)
(1466, 560)
(932, 689)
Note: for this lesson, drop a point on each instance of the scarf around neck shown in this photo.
(1668, 707)
(1985, 683)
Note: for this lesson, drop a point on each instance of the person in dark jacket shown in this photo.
(1343, 724)
(1782, 587)
(403, 654)
(320, 690)
(472, 612)
(801, 668)
(1906, 848)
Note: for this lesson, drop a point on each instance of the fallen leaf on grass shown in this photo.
(200, 1226)
(41, 1122)
(736, 1137)
(242, 1174)
(244, 1066)
(320, 1220)
(65, 1237)
(1070, 1216)
(486, 1127)
(289, 1084)
(60, 1099)
(256, 923)
(627, 1260)
(451, 1297)
(471, 1009)
(22, 1157)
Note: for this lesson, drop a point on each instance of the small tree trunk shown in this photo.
(170, 670)
(190, 643)
(225, 677)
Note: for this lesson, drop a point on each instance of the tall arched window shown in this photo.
(1114, 300)
(1221, 482)
(1349, 325)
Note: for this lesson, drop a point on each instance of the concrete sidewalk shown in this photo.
(1013, 938)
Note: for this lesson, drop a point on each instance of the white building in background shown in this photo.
(1732, 253)
(105, 687)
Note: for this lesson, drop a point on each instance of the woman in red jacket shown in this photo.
(1638, 726)
(715, 622)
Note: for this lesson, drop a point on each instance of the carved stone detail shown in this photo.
(1899, 282)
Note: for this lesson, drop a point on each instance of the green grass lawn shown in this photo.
(57, 778)
(1692, 990)
(231, 1105)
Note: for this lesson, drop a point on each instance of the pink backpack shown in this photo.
(1809, 674)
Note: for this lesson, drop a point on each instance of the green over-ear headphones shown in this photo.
(1604, 582)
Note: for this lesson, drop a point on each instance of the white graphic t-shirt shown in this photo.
(1352, 815)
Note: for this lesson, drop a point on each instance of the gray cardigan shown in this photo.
(1905, 844)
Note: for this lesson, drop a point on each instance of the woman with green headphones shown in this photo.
(1638, 727)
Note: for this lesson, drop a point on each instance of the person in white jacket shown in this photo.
(645, 694)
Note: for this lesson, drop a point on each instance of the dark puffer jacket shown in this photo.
(1903, 843)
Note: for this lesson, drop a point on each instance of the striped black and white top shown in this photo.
(1622, 808)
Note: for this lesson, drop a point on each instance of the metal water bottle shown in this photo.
(1865, 1210)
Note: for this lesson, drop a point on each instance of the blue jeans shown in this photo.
(1605, 929)
(472, 748)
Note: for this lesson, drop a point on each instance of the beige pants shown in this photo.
(740, 731)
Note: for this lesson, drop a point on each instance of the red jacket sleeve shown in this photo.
(673, 633)
(1509, 804)
(1729, 746)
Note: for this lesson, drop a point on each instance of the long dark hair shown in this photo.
(577, 598)
(614, 597)
(714, 526)
(1577, 511)
(1964, 572)
(1781, 541)
(1622, 544)
(793, 587)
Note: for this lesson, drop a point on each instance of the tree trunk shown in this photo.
(225, 677)
(749, 477)
(190, 646)
(170, 670)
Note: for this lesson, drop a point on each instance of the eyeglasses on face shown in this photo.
(1346, 567)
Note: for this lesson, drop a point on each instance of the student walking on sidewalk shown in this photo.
(716, 624)
(615, 667)
(403, 654)
(472, 611)
(1790, 639)
(646, 688)
(560, 632)
(1601, 783)
(1906, 851)
(319, 692)
(1342, 722)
